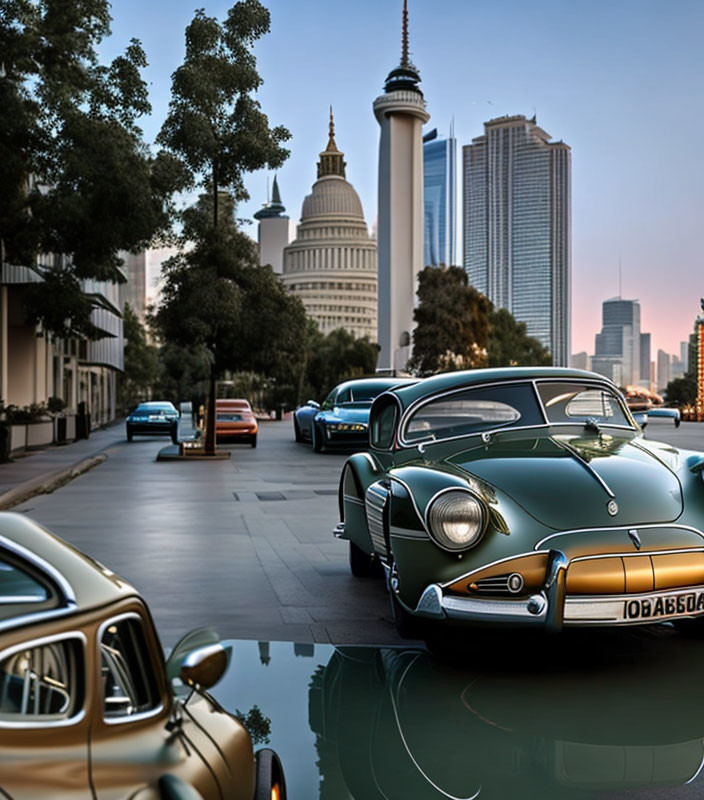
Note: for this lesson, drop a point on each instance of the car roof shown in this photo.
(437, 384)
(374, 383)
(223, 401)
(157, 404)
(81, 582)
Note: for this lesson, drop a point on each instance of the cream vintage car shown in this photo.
(87, 708)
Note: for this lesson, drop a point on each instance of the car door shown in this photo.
(136, 738)
(44, 714)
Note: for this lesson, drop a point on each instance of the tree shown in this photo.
(452, 323)
(141, 361)
(219, 133)
(509, 344)
(682, 391)
(335, 358)
(77, 178)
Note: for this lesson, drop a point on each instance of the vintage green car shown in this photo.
(526, 497)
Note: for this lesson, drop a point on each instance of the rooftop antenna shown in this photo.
(405, 61)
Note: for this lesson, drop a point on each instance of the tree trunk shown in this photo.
(210, 417)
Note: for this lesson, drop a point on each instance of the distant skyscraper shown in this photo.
(645, 358)
(439, 199)
(517, 226)
(273, 231)
(581, 360)
(400, 112)
(617, 347)
(684, 355)
(664, 370)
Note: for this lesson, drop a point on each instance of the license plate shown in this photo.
(668, 605)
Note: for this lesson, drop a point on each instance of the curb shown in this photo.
(49, 482)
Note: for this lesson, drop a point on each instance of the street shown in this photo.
(244, 546)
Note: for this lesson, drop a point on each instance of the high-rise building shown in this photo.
(645, 359)
(517, 226)
(581, 360)
(664, 370)
(273, 231)
(617, 347)
(400, 112)
(439, 199)
(331, 264)
(684, 355)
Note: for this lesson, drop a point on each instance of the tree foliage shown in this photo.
(335, 358)
(452, 323)
(215, 295)
(141, 361)
(510, 346)
(77, 179)
(682, 391)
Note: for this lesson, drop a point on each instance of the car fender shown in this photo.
(360, 471)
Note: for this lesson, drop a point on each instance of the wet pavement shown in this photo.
(599, 716)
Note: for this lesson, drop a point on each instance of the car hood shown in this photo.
(567, 481)
(340, 414)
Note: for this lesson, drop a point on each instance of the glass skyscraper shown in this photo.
(517, 226)
(439, 199)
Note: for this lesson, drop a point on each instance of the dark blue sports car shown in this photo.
(343, 418)
(153, 419)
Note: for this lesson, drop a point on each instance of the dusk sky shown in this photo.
(619, 80)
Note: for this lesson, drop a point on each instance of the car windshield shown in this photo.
(155, 408)
(362, 395)
(578, 402)
(473, 411)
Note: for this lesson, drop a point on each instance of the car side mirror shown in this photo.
(313, 404)
(204, 667)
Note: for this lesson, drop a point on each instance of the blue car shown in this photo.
(343, 418)
(153, 419)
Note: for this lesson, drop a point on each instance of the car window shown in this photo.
(473, 411)
(574, 402)
(229, 416)
(345, 396)
(17, 586)
(129, 687)
(365, 394)
(329, 401)
(384, 424)
(42, 682)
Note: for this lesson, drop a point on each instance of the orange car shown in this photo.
(234, 419)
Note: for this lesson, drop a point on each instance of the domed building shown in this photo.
(331, 264)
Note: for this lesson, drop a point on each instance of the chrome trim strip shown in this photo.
(636, 554)
(699, 769)
(639, 446)
(32, 558)
(539, 399)
(389, 393)
(487, 566)
(407, 533)
(153, 712)
(37, 616)
(413, 499)
(620, 528)
(60, 723)
(20, 599)
(583, 461)
(355, 500)
(421, 401)
(555, 586)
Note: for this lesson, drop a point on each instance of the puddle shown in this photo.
(386, 723)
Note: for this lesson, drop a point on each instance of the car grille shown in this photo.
(375, 500)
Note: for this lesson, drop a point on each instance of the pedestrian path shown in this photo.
(33, 467)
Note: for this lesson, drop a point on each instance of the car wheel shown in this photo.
(253, 440)
(129, 434)
(271, 784)
(317, 436)
(297, 430)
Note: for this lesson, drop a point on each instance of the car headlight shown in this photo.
(456, 519)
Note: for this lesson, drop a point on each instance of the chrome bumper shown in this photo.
(551, 610)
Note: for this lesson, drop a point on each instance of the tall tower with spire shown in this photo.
(401, 113)
(273, 230)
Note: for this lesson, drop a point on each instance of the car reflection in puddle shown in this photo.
(611, 717)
